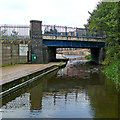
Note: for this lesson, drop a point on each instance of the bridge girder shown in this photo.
(73, 44)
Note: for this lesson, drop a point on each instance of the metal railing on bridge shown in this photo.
(23, 32)
(53, 30)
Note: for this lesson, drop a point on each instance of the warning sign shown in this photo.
(23, 48)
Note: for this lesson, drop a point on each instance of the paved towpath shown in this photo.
(10, 73)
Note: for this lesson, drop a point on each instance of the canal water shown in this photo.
(74, 56)
(80, 90)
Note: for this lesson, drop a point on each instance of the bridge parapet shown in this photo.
(49, 37)
(53, 30)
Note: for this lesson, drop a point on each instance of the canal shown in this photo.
(80, 90)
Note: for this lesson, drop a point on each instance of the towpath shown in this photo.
(11, 73)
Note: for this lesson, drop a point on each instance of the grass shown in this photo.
(60, 64)
(113, 72)
(7, 65)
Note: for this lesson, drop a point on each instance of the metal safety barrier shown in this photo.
(23, 32)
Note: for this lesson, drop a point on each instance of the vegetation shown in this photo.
(7, 65)
(88, 57)
(60, 64)
(113, 71)
(106, 18)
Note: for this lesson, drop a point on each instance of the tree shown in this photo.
(106, 18)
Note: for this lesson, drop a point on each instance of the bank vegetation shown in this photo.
(106, 18)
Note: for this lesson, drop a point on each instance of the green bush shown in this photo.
(113, 71)
(88, 57)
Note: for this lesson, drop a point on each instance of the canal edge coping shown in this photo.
(29, 81)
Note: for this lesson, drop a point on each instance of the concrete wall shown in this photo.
(9, 54)
(51, 54)
(98, 55)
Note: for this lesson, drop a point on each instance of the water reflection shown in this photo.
(79, 90)
(78, 69)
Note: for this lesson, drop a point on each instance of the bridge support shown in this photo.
(40, 52)
(51, 54)
(97, 55)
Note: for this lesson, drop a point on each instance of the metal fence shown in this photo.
(14, 32)
(23, 31)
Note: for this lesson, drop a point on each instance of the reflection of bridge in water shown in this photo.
(63, 86)
(56, 91)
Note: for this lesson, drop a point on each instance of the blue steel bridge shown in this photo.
(72, 37)
(46, 38)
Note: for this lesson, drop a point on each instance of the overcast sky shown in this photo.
(51, 12)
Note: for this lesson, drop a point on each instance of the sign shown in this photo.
(23, 48)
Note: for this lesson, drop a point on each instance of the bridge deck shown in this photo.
(72, 38)
(73, 42)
